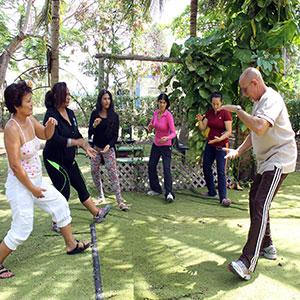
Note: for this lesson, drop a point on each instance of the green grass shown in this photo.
(157, 250)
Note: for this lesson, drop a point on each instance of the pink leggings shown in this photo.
(110, 163)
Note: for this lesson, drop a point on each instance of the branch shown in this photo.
(28, 70)
(25, 58)
(76, 80)
(139, 57)
(27, 16)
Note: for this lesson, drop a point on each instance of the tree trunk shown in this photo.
(55, 42)
(7, 54)
(101, 74)
(246, 169)
(184, 131)
(4, 61)
(193, 18)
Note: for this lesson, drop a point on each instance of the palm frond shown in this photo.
(44, 18)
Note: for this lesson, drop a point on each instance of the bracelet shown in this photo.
(69, 142)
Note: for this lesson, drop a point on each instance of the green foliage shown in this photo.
(106, 26)
(208, 19)
(3, 30)
(293, 107)
(253, 35)
(135, 112)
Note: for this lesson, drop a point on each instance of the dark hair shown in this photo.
(216, 95)
(14, 94)
(57, 96)
(165, 97)
(112, 123)
(99, 101)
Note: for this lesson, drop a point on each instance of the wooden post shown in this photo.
(138, 57)
(101, 74)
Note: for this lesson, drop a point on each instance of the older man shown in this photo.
(273, 141)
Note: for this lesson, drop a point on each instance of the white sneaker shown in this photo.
(239, 268)
(170, 198)
(152, 193)
(269, 252)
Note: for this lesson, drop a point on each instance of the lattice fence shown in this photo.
(134, 176)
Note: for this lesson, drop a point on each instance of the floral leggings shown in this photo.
(110, 163)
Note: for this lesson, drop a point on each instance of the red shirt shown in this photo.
(216, 124)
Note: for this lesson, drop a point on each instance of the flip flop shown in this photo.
(123, 206)
(3, 271)
(77, 250)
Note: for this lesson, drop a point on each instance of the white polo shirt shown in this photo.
(277, 146)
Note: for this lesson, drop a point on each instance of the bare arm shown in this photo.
(12, 142)
(225, 135)
(82, 143)
(245, 146)
(150, 127)
(202, 122)
(44, 132)
(255, 124)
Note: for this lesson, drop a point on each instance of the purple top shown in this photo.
(163, 127)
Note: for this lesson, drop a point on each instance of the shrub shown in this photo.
(293, 107)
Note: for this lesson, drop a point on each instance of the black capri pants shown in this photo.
(63, 177)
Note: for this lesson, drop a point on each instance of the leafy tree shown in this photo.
(112, 27)
(208, 19)
(253, 34)
(18, 22)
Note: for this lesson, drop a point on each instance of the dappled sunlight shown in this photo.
(191, 255)
(270, 289)
(85, 169)
(157, 251)
(122, 267)
(7, 295)
(151, 219)
(288, 196)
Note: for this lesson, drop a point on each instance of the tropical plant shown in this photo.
(253, 34)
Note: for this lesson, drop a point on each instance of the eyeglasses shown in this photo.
(244, 90)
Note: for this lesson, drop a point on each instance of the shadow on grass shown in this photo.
(157, 250)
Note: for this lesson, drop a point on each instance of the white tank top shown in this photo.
(29, 159)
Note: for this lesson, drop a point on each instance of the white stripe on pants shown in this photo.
(22, 203)
(266, 208)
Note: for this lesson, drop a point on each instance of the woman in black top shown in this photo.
(104, 127)
(59, 151)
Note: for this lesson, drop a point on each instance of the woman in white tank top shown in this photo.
(25, 185)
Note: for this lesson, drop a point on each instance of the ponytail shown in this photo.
(49, 100)
(57, 96)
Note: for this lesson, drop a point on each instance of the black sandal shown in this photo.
(3, 270)
(77, 250)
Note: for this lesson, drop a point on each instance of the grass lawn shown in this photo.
(157, 250)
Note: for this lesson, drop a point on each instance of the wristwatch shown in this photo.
(237, 107)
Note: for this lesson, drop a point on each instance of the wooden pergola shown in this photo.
(103, 56)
